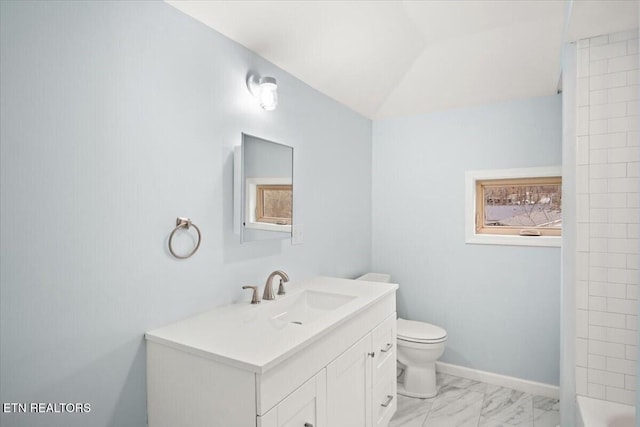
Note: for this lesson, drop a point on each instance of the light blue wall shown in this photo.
(499, 304)
(117, 117)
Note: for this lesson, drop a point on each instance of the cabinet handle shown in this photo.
(372, 354)
(388, 402)
(387, 348)
(308, 425)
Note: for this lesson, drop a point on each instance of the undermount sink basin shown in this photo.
(309, 305)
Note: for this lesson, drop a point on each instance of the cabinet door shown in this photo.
(305, 407)
(384, 399)
(349, 387)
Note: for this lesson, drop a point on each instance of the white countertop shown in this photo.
(245, 335)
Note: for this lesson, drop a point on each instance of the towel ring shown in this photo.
(184, 223)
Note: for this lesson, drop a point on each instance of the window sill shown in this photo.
(268, 226)
(495, 239)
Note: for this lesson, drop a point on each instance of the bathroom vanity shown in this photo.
(324, 355)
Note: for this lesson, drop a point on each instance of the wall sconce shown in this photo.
(265, 89)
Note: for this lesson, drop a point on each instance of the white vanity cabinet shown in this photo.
(361, 382)
(342, 373)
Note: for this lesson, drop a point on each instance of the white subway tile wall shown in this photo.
(607, 259)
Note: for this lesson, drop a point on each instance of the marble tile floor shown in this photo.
(466, 403)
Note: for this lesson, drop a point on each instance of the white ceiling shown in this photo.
(395, 58)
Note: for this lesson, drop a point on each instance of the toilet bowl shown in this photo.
(419, 345)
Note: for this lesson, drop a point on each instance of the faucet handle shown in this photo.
(281, 290)
(255, 298)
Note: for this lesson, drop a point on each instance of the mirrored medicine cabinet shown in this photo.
(263, 189)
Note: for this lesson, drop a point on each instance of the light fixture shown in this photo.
(265, 89)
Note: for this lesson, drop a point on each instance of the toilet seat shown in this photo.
(420, 332)
(414, 341)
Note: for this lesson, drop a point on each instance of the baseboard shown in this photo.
(536, 388)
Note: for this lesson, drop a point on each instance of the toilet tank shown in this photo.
(376, 277)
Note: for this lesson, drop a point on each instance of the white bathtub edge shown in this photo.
(596, 413)
(532, 387)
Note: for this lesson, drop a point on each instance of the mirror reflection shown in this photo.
(267, 189)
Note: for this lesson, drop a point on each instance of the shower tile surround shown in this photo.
(464, 402)
(607, 157)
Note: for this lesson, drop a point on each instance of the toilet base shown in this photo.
(404, 392)
(419, 381)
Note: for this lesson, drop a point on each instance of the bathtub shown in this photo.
(600, 413)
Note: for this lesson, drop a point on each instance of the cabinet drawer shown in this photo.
(384, 396)
(384, 346)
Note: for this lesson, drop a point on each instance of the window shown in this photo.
(273, 204)
(269, 204)
(515, 206)
(524, 206)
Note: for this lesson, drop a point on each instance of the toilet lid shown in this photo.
(410, 330)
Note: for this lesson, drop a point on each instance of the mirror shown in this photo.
(264, 183)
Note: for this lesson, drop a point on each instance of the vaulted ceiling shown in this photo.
(394, 58)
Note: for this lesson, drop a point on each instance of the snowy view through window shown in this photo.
(523, 205)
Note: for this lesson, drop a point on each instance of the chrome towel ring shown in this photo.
(184, 223)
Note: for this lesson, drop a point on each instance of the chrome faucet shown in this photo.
(268, 288)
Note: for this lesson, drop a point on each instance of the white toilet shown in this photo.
(420, 344)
